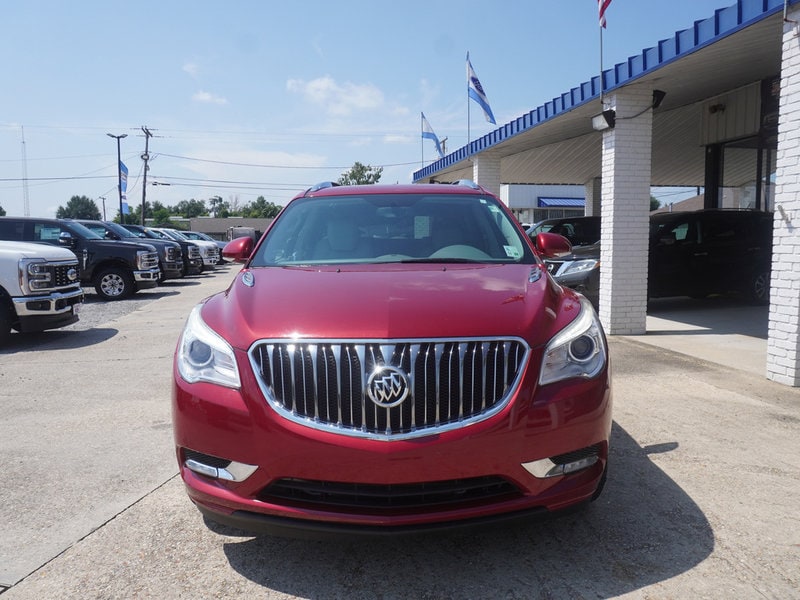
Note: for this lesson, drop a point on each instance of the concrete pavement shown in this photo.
(701, 500)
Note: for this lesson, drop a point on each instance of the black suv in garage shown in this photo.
(711, 251)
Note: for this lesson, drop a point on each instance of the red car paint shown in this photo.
(383, 301)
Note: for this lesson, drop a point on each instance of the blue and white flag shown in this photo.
(427, 132)
(476, 92)
(123, 187)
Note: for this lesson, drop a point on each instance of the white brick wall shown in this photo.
(486, 171)
(593, 195)
(624, 208)
(783, 343)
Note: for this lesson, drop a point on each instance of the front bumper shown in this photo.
(172, 270)
(239, 426)
(57, 309)
(147, 279)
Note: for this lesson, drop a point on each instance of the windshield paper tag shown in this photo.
(512, 252)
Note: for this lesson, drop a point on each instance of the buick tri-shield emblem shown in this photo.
(387, 386)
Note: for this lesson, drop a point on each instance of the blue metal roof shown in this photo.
(725, 22)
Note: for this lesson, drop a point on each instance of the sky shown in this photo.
(251, 98)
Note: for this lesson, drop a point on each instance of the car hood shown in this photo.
(391, 302)
(583, 252)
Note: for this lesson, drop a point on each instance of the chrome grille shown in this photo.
(61, 274)
(450, 383)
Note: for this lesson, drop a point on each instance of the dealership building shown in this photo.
(715, 106)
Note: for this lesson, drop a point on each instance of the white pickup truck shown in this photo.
(39, 288)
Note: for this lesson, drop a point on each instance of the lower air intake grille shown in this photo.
(388, 390)
(418, 496)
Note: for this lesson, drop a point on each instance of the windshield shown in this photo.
(118, 229)
(393, 228)
(81, 230)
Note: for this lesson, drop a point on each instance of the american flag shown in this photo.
(602, 5)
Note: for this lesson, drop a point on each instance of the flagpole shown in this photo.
(602, 102)
(422, 140)
(468, 122)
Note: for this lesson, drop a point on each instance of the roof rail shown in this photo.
(467, 182)
(321, 186)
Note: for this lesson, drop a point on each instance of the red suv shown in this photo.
(390, 359)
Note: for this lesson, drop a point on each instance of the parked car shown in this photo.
(696, 254)
(190, 252)
(579, 270)
(580, 231)
(209, 251)
(712, 251)
(39, 288)
(170, 260)
(115, 269)
(391, 358)
(197, 235)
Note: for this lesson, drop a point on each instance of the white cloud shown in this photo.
(191, 68)
(208, 98)
(337, 99)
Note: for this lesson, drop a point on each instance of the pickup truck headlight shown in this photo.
(204, 356)
(578, 350)
(35, 274)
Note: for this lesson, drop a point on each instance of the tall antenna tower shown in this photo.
(26, 209)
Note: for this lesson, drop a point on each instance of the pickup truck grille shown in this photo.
(61, 274)
(388, 390)
(149, 260)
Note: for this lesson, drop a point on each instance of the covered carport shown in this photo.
(698, 109)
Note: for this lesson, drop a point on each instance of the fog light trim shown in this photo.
(235, 471)
(545, 468)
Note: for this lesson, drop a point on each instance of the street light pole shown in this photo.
(119, 173)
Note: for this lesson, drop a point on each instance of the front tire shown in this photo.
(114, 283)
(5, 323)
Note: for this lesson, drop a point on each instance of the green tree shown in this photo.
(161, 216)
(79, 207)
(260, 209)
(189, 209)
(654, 203)
(361, 174)
(2, 212)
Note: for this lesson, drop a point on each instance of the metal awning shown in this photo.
(555, 143)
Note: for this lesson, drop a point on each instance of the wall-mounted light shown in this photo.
(658, 97)
(605, 120)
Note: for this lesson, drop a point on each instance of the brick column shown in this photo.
(486, 171)
(593, 192)
(783, 343)
(624, 208)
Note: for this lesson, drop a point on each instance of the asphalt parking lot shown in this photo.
(701, 501)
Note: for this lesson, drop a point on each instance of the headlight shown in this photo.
(204, 356)
(578, 350)
(579, 266)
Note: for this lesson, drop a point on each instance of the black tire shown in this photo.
(600, 485)
(114, 283)
(5, 323)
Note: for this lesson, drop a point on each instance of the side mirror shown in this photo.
(239, 249)
(65, 239)
(552, 245)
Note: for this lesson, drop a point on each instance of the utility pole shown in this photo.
(119, 173)
(103, 198)
(145, 158)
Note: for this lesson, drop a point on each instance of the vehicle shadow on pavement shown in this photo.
(642, 530)
(58, 339)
